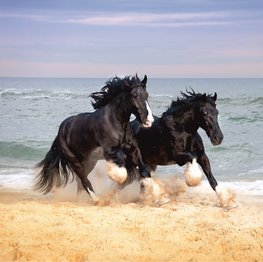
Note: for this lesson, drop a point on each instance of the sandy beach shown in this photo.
(188, 228)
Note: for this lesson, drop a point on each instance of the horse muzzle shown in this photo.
(217, 139)
(147, 124)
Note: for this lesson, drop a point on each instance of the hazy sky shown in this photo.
(93, 38)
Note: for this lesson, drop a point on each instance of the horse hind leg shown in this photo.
(83, 181)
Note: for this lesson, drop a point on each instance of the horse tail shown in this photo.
(55, 167)
(49, 174)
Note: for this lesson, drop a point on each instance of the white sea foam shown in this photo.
(16, 178)
(254, 188)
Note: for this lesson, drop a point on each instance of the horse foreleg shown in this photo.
(204, 162)
(136, 158)
(183, 158)
(115, 155)
(193, 174)
(116, 173)
(115, 159)
(225, 197)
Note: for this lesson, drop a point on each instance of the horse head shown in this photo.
(138, 100)
(209, 119)
(131, 94)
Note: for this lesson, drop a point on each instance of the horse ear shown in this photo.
(144, 81)
(215, 96)
(204, 97)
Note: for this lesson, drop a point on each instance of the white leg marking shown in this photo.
(116, 173)
(150, 118)
(193, 174)
(153, 191)
(226, 198)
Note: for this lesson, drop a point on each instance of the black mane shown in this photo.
(188, 99)
(112, 89)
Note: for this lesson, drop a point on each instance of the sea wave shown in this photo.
(253, 118)
(241, 101)
(61, 94)
(21, 151)
(257, 101)
(39, 94)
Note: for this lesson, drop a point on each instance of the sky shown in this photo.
(105, 38)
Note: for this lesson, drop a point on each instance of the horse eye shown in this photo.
(134, 93)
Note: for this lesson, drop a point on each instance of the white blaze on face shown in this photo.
(150, 118)
(116, 173)
(193, 174)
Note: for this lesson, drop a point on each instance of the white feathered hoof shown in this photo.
(153, 192)
(116, 173)
(193, 174)
(226, 198)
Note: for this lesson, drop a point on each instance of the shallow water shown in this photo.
(31, 110)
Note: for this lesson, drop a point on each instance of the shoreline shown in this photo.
(188, 228)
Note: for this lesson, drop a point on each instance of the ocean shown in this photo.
(31, 110)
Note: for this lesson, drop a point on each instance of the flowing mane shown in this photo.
(112, 89)
(188, 99)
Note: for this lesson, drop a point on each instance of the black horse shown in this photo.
(85, 138)
(173, 138)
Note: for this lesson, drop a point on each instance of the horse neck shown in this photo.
(188, 119)
(121, 109)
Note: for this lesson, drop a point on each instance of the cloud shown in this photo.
(135, 19)
(167, 19)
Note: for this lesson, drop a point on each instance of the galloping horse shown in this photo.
(173, 138)
(85, 138)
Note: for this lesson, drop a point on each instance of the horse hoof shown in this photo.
(145, 174)
(163, 200)
(233, 205)
(93, 196)
(226, 198)
(227, 207)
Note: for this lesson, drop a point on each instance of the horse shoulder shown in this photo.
(197, 142)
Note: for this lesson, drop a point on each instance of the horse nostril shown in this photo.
(217, 140)
(147, 124)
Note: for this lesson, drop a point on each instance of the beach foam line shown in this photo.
(254, 188)
(23, 178)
